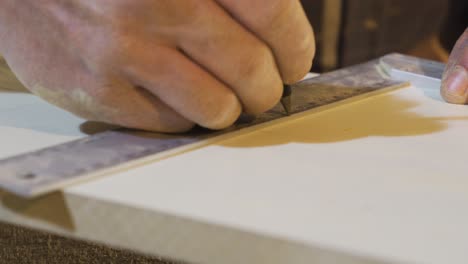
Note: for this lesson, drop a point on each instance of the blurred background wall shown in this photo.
(354, 31)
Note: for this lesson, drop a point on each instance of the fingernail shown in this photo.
(456, 83)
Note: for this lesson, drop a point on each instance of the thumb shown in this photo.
(455, 79)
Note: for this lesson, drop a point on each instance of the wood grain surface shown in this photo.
(21, 245)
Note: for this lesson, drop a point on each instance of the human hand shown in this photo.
(455, 79)
(157, 65)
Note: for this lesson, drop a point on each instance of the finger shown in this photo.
(185, 87)
(137, 108)
(116, 101)
(283, 25)
(234, 55)
(455, 79)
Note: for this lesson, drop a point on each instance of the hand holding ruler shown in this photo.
(50, 169)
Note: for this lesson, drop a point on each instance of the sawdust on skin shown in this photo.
(76, 101)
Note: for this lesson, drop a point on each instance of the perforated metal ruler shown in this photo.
(52, 168)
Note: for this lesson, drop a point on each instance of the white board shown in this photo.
(375, 181)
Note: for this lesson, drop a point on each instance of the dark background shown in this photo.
(413, 27)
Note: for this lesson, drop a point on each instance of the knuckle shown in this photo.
(300, 63)
(274, 15)
(272, 89)
(104, 50)
(262, 80)
(259, 63)
(307, 47)
(222, 113)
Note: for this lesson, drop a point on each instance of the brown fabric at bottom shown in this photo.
(21, 245)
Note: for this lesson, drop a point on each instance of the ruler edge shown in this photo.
(138, 162)
(404, 75)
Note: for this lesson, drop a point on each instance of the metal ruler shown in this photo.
(52, 168)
